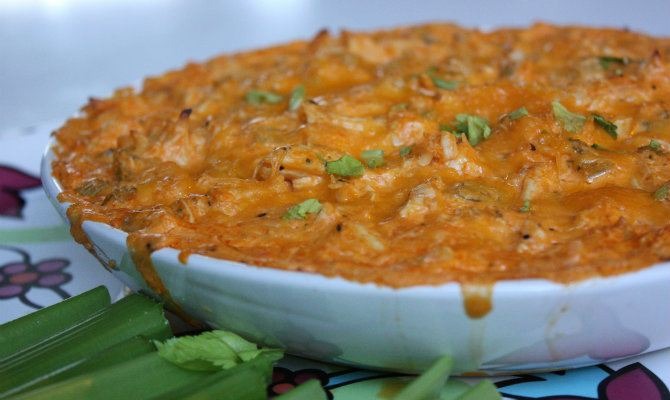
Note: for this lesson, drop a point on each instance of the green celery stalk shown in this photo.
(453, 389)
(118, 353)
(145, 377)
(429, 383)
(484, 390)
(261, 366)
(135, 315)
(310, 390)
(33, 328)
(245, 384)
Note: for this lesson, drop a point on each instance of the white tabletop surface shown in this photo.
(54, 54)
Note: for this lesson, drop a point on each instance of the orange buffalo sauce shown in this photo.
(419, 155)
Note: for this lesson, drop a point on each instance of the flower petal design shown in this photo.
(51, 280)
(52, 265)
(17, 278)
(13, 179)
(9, 291)
(13, 268)
(284, 379)
(10, 204)
(11, 182)
(633, 382)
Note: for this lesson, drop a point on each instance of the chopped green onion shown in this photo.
(300, 211)
(405, 151)
(429, 383)
(131, 316)
(607, 61)
(213, 350)
(525, 207)
(662, 192)
(444, 84)
(518, 113)
(310, 390)
(447, 128)
(373, 158)
(571, 122)
(474, 127)
(345, 166)
(608, 126)
(33, 328)
(440, 82)
(297, 96)
(484, 390)
(655, 145)
(257, 97)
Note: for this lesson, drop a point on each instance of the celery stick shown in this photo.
(429, 383)
(134, 315)
(33, 328)
(484, 390)
(145, 377)
(453, 389)
(261, 366)
(310, 390)
(245, 384)
(118, 353)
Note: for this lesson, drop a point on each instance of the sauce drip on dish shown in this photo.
(420, 155)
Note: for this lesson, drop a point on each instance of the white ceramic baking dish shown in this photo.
(533, 325)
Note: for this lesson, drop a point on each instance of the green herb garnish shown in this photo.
(212, 350)
(444, 84)
(297, 96)
(345, 166)
(608, 126)
(373, 158)
(300, 211)
(446, 128)
(440, 82)
(257, 97)
(474, 127)
(571, 122)
(662, 192)
(525, 208)
(518, 113)
(655, 145)
(607, 61)
(405, 151)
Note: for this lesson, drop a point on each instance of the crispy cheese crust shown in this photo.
(209, 159)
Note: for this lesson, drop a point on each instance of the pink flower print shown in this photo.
(12, 181)
(18, 277)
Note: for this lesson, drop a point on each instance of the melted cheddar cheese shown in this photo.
(419, 155)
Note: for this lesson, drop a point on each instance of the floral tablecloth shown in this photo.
(41, 265)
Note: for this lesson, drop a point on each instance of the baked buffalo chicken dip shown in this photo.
(419, 155)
